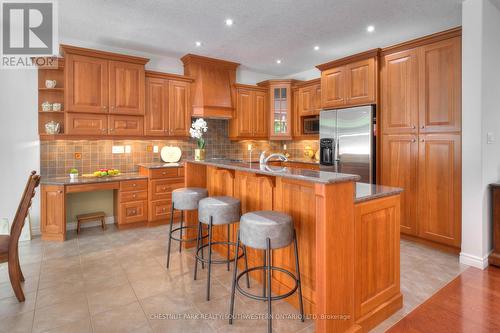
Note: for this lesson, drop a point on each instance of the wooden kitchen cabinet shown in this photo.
(309, 98)
(440, 85)
(168, 105)
(126, 125)
(351, 81)
(280, 108)
(131, 205)
(53, 212)
(399, 92)
(86, 84)
(399, 168)
(439, 194)
(91, 124)
(101, 81)
(250, 120)
(126, 88)
(297, 121)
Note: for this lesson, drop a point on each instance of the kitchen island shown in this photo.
(348, 237)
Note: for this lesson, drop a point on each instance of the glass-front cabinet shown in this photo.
(280, 108)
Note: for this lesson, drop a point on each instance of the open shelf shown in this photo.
(51, 89)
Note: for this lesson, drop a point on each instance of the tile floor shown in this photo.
(116, 281)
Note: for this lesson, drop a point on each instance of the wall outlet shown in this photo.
(490, 138)
(128, 149)
(155, 149)
(117, 150)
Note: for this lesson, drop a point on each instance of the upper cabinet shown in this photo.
(280, 109)
(309, 98)
(212, 91)
(250, 120)
(349, 81)
(103, 82)
(421, 88)
(168, 104)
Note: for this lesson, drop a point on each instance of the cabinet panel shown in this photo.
(53, 212)
(306, 101)
(281, 112)
(156, 107)
(440, 86)
(162, 188)
(126, 125)
(399, 93)
(244, 106)
(333, 87)
(86, 84)
(133, 196)
(399, 162)
(179, 110)
(260, 116)
(126, 88)
(134, 185)
(440, 188)
(360, 82)
(86, 124)
(297, 126)
(134, 211)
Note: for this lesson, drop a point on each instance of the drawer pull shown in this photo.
(134, 196)
(164, 173)
(163, 188)
(163, 210)
(134, 184)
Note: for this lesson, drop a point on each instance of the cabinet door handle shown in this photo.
(134, 184)
(163, 209)
(60, 192)
(104, 107)
(164, 173)
(422, 127)
(413, 126)
(413, 140)
(422, 140)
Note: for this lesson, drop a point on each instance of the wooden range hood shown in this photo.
(212, 92)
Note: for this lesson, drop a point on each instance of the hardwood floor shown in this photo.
(470, 303)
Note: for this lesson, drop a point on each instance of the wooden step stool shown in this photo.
(82, 218)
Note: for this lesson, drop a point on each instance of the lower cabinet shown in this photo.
(53, 212)
(131, 206)
(428, 168)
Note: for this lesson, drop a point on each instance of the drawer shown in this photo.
(160, 210)
(134, 211)
(133, 196)
(161, 188)
(164, 173)
(134, 185)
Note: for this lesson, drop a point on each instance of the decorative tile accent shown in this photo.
(57, 157)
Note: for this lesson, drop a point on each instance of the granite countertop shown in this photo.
(90, 180)
(366, 192)
(158, 165)
(303, 160)
(323, 177)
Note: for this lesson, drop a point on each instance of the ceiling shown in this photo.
(263, 30)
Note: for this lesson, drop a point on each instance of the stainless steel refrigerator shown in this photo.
(347, 141)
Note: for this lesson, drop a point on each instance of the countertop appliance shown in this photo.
(347, 141)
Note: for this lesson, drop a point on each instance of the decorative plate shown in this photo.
(170, 154)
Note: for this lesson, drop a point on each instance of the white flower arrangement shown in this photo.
(198, 128)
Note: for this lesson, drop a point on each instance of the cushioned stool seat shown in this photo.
(187, 198)
(257, 227)
(223, 210)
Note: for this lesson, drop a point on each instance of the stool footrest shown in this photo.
(265, 298)
(184, 228)
(218, 261)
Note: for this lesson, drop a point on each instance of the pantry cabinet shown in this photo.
(168, 104)
(420, 115)
(350, 81)
(250, 120)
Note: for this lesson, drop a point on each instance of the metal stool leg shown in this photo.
(197, 248)
(246, 262)
(296, 249)
(182, 222)
(170, 233)
(264, 264)
(269, 313)
(209, 257)
(228, 239)
(233, 288)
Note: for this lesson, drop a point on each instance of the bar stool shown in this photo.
(221, 210)
(266, 230)
(183, 199)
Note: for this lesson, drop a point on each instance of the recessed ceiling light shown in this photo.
(229, 22)
(370, 28)
(316, 48)
(198, 43)
(278, 61)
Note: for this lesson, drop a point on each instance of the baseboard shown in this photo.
(474, 261)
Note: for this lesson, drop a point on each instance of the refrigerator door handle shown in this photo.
(337, 147)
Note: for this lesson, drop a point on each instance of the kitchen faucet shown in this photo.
(263, 159)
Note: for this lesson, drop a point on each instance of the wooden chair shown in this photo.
(9, 251)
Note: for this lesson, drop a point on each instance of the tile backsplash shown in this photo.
(57, 157)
